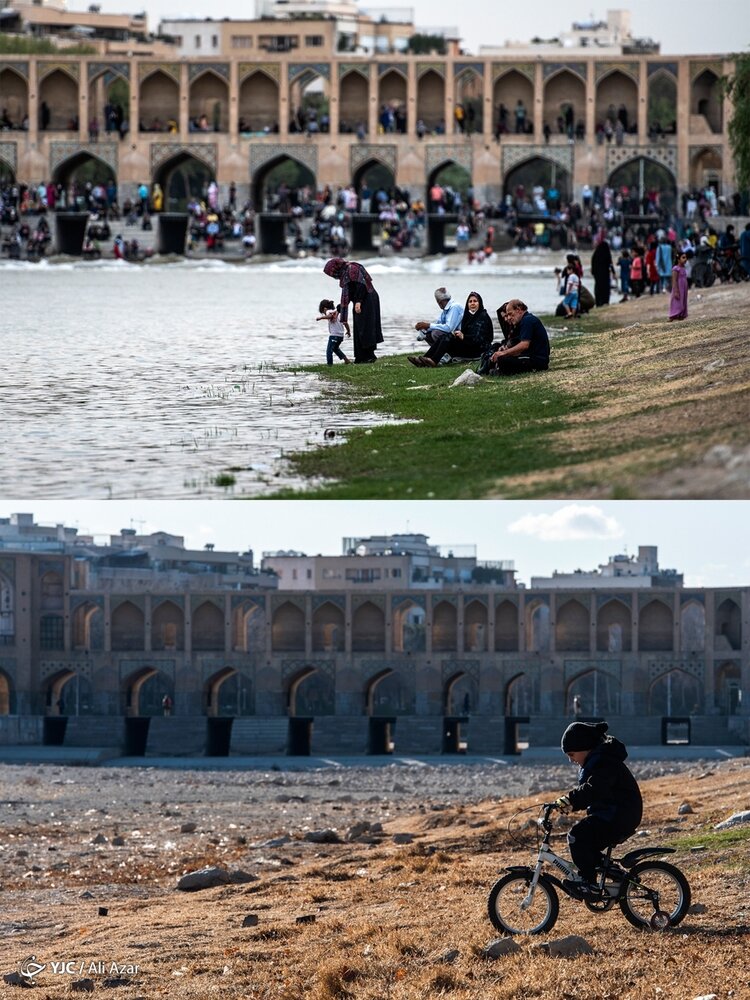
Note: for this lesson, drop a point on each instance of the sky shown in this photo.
(684, 28)
(702, 539)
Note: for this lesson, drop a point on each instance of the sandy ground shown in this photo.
(430, 840)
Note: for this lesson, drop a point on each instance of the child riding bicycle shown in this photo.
(607, 791)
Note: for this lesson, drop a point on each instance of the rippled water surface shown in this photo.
(125, 381)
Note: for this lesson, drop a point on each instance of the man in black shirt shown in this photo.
(527, 348)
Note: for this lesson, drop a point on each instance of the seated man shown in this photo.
(448, 321)
(528, 347)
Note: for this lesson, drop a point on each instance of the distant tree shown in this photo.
(737, 88)
(426, 44)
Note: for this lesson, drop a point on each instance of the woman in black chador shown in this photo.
(602, 269)
(356, 286)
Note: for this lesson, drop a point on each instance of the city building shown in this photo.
(196, 652)
(639, 571)
(610, 37)
(257, 96)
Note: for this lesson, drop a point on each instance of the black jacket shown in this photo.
(477, 329)
(606, 788)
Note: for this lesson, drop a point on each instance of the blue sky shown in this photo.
(690, 26)
(703, 539)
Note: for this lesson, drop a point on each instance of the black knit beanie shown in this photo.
(583, 736)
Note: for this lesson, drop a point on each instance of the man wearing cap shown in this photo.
(449, 320)
(607, 791)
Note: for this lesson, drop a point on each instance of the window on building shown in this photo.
(314, 41)
(51, 632)
(363, 575)
(309, 574)
(294, 574)
(242, 41)
(197, 41)
(214, 41)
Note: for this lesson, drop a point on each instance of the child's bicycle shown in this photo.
(652, 894)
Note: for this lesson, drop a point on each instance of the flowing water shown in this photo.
(122, 380)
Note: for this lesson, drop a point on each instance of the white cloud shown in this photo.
(573, 523)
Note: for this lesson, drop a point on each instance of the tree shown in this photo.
(737, 89)
(421, 44)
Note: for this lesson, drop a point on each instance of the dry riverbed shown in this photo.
(356, 882)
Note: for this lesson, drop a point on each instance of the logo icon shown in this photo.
(30, 968)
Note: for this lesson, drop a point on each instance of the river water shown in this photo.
(122, 381)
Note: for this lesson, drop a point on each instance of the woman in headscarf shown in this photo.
(602, 269)
(471, 339)
(356, 286)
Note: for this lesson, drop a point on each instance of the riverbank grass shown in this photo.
(630, 407)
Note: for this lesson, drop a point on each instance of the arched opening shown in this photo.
(706, 168)
(728, 625)
(706, 101)
(58, 103)
(248, 632)
(655, 628)
(183, 178)
(353, 103)
(167, 627)
(468, 102)
(617, 101)
(288, 629)
(7, 175)
(675, 693)
(259, 104)
(409, 628)
(309, 103)
(207, 628)
(387, 695)
(475, 627)
(455, 182)
(144, 692)
(613, 629)
(572, 627)
(513, 103)
(57, 700)
(647, 177)
(431, 101)
(208, 103)
(392, 102)
(52, 592)
(459, 694)
(369, 178)
(82, 169)
(521, 696)
(593, 693)
(444, 627)
(7, 706)
(109, 101)
(127, 628)
(14, 100)
(564, 108)
(368, 628)
(662, 104)
(159, 104)
(86, 618)
(311, 692)
(538, 627)
(729, 689)
(277, 183)
(693, 627)
(506, 627)
(328, 629)
(538, 172)
(228, 692)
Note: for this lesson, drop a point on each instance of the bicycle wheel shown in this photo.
(504, 905)
(672, 896)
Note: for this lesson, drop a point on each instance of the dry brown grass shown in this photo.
(661, 404)
(386, 917)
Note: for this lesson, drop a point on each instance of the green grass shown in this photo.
(713, 839)
(461, 440)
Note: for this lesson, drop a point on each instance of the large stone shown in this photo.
(567, 947)
(737, 819)
(238, 877)
(82, 986)
(501, 947)
(684, 809)
(204, 878)
(322, 837)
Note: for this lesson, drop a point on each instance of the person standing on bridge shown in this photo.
(357, 287)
